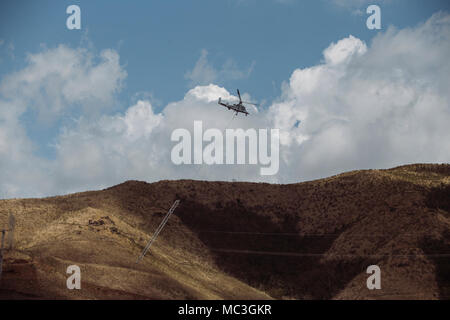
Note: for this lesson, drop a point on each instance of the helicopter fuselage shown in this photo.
(235, 107)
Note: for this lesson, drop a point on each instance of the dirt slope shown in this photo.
(311, 240)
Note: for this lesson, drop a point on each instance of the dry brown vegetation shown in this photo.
(311, 240)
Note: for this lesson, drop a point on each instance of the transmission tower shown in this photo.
(158, 230)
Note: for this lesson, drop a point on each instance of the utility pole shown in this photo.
(158, 230)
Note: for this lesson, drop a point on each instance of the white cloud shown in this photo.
(344, 50)
(54, 82)
(101, 152)
(363, 106)
(140, 120)
(370, 107)
(136, 144)
(62, 78)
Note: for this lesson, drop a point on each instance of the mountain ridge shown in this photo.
(239, 240)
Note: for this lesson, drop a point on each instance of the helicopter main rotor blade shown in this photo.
(239, 94)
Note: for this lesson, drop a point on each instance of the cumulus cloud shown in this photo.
(363, 106)
(98, 153)
(54, 82)
(370, 107)
(61, 78)
(137, 143)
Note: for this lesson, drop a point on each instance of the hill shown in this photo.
(238, 240)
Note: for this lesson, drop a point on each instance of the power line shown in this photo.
(329, 255)
(293, 234)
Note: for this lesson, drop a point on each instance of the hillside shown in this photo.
(237, 240)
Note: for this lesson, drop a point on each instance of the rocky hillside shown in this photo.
(311, 240)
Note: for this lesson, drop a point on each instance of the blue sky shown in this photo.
(143, 68)
(159, 41)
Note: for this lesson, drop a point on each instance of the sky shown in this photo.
(90, 108)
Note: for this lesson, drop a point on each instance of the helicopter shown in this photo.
(237, 107)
